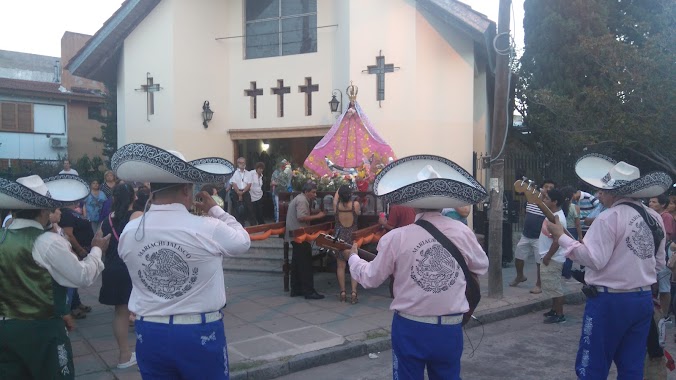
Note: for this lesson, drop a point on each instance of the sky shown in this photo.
(36, 26)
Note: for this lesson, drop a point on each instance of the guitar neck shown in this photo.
(550, 217)
(366, 255)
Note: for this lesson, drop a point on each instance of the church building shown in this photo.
(268, 70)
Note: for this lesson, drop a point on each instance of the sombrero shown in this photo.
(33, 192)
(147, 163)
(427, 181)
(620, 178)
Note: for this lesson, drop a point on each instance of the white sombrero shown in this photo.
(33, 192)
(427, 181)
(620, 178)
(147, 163)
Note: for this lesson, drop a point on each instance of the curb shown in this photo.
(352, 350)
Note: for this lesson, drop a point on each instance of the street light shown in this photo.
(334, 103)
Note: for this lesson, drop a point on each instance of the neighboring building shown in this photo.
(44, 110)
(269, 67)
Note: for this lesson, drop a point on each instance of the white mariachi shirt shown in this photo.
(175, 259)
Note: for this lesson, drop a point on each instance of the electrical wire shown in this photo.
(483, 333)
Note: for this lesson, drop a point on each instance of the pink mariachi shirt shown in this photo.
(427, 279)
(618, 249)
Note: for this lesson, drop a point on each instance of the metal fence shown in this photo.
(532, 165)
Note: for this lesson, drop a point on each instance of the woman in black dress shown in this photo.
(116, 283)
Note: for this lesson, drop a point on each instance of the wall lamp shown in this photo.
(334, 103)
(207, 114)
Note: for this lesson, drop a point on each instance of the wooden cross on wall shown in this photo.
(308, 89)
(280, 90)
(380, 69)
(149, 88)
(253, 92)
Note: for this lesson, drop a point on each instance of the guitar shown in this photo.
(338, 245)
(534, 196)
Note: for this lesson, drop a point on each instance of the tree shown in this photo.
(109, 127)
(600, 74)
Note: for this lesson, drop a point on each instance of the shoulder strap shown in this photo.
(658, 233)
(110, 221)
(448, 244)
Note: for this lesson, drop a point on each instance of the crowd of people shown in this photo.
(158, 244)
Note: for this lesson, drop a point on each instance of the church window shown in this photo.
(280, 27)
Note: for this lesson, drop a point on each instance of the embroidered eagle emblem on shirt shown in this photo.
(436, 270)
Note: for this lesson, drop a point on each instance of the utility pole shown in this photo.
(497, 163)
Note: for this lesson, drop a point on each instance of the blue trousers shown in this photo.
(614, 329)
(167, 351)
(417, 345)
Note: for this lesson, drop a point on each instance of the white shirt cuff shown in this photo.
(216, 212)
(96, 251)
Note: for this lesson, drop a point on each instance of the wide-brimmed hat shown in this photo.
(427, 181)
(146, 163)
(620, 178)
(33, 192)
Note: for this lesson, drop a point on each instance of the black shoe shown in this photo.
(294, 293)
(555, 319)
(550, 313)
(314, 296)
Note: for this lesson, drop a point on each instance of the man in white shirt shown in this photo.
(37, 268)
(174, 259)
(67, 169)
(240, 195)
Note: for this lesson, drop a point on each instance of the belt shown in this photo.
(185, 319)
(606, 289)
(439, 320)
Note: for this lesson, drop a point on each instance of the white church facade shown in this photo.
(268, 69)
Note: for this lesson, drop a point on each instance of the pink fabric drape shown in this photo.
(351, 140)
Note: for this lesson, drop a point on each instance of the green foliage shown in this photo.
(600, 74)
(109, 126)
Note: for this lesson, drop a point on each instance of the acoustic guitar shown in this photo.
(534, 196)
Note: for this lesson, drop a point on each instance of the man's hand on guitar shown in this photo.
(556, 228)
(349, 252)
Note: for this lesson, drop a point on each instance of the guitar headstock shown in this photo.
(529, 189)
(333, 243)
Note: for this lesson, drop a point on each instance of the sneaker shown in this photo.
(130, 363)
(555, 319)
(550, 313)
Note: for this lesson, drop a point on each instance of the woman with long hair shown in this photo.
(347, 213)
(116, 283)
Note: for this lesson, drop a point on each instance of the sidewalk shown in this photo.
(270, 334)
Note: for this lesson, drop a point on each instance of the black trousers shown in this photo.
(247, 213)
(302, 279)
(258, 210)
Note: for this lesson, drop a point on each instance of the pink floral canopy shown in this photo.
(351, 142)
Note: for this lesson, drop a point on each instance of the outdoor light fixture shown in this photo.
(207, 114)
(334, 103)
(265, 145)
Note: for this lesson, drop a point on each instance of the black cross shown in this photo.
(149, 88)
(308, 89)
(253, 92)
(280, 90)
(380, 69)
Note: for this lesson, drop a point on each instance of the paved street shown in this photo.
(518, 348)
